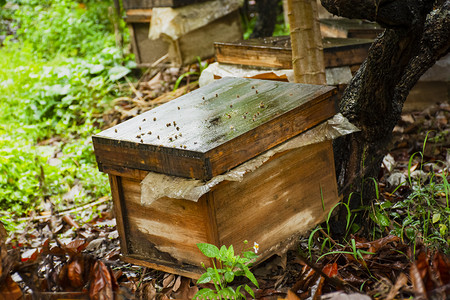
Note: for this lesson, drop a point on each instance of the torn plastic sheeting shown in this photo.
(215, 71)
(334, 76)
(156, 186)
(176, 22)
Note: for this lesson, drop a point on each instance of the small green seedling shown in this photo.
(224, 272)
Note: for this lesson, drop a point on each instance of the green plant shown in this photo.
(189, 73)
(52, 97)
(226, 266)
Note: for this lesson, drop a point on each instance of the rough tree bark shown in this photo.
(417, 34)
(306, 41)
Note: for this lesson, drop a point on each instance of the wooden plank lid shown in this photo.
(215, 128)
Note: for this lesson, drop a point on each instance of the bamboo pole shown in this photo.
(306, 41)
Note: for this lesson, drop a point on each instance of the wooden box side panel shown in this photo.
(200, 42)
(146, 49)
(165, 233)
(280, 199)
(254, 56)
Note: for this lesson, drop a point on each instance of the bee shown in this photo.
(138, 136)
(178, 128)
(178, 108)
(154, 119)
(115, 130)
(149, 132)
(143, 120)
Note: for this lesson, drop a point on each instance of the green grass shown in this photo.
(57, 76)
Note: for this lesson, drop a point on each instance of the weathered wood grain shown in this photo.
(276, 52)
(283, 198)
(119, 210)
(166, 233)
(272, 206)
(215, 128)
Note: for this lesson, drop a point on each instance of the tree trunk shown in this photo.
(416, 37)
(266, 19)
(306, 41)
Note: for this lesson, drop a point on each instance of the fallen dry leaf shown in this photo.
(9, 289)
(75, 273)
(101, 283)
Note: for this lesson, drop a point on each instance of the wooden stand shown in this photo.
(204, 134)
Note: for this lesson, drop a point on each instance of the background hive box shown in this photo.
(146, 51)
(200, 42)
(284, 197)
(276, 52)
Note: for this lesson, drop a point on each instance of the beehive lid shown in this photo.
(215, 128)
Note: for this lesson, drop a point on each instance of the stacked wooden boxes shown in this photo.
(181, 50)
(232, 126)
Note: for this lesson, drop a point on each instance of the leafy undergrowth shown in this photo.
(54, 87)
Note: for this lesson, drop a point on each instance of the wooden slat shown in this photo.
(120, 214)
(276, 52)
(136, 4)
(209, 135)
(280, 199)
(347, 28)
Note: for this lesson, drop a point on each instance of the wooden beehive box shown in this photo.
(276, 52)
(349, 28)
(200, 42)
(206, 133)
(146, 51)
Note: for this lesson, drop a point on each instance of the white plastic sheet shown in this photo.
(334, 76)
(156, 185)
(176, 22)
